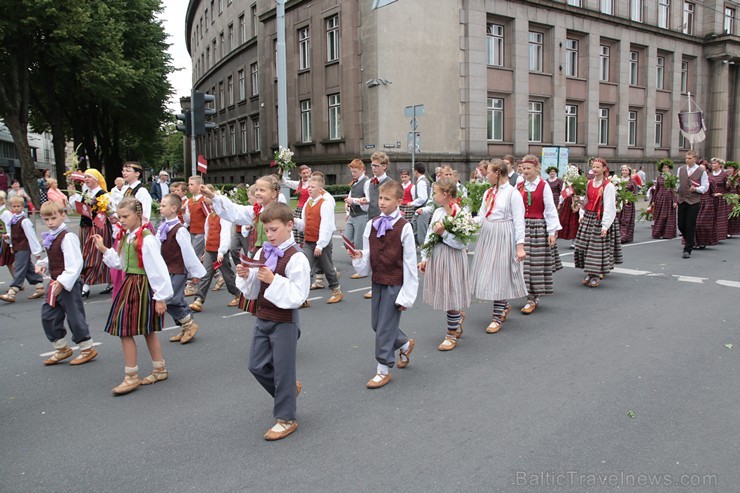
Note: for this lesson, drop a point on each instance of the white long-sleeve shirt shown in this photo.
(224, 240)
(551, 213)
(189, 258)
(421, 191)
(506, 195)
(407, 295)
(704, 181)
(365, 188)
(5, 217)
(116, 196)
(142, 196)
(235, 213)
(327, 225)
(447, 238)
(86, 192)
(72, 260)
(287, 292)
(154, 265)
(609, 199)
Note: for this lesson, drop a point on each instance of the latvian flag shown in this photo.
(202, 164)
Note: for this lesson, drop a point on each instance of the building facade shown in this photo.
(600, 77)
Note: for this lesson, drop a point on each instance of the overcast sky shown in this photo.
(174, 24)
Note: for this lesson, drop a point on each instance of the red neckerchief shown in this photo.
(374, 181)
(257, 208)
(491, 199)
(454, 208)
(120, 234)
(140, 243)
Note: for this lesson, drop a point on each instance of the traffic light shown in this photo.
(186, 126)
(200, 112)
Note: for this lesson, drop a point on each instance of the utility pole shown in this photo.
(413, 112)
(282, 84)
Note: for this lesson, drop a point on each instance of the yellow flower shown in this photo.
(102, 205)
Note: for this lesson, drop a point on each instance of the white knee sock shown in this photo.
(382, 369)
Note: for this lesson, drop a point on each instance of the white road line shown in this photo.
(732, 284)
(235, 315)
(648, 242)
(631, 272)
(171, 328)
(316, 298)
(697, 280)
(44, 355)
(360, 289)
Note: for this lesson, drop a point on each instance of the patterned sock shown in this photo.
(498, 309)
(453, 320)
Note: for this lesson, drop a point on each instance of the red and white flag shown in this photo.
(51, 297)
(77, 176)
(83, 209)
(202, 164)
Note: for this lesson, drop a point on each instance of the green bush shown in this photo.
(337, 189)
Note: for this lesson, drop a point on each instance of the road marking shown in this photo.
(171, 328)
(97, 301)
(631, 272)
(697, 280)
(44, 355)
(647, 242)
(731, 284)
(235, 315)
(360, 289)
(316, 298)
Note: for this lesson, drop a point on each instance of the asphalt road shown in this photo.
(598, 390)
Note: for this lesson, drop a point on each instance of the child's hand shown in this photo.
(206, 192)
(160, 307)
(553, 239)
(357, 254)
(242, 271)
(520, 255)
(99, 243)
(317, 252)
(40, 269)
(265, 275)
(603, 233)
(422, 266)
(219, 258)
(401, 308)
(195, 280)
(419, 211)
(439, 228)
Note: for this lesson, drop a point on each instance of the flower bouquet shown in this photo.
(239, 195)
(462, 225)
(670, 181)
(283, 160)
(623, 194)
(475, 195)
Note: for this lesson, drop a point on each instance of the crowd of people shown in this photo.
(270, 256)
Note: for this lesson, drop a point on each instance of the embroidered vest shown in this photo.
(373, 210)
(684, 185)
(313, 221)
(214, 233)
(56, 256)
(197, 216)
(357, 191)
(266, 310)
(534, 202)
(386, 255)
(18, 237)
(172, 253)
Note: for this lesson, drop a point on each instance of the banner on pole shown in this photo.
(691, 125)
(202, 164)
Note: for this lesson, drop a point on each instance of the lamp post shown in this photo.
(282, 84)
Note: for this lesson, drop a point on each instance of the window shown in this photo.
(688, 18)
(659, 73)
(636, 10)
(306, 121)
(223, 141)
(229, 2)
(683, 143)
(243, 134)
(242, 85)
(684, 77)
(231, 38)
(214, 52)
(634, 66)
(222, 45)
(659, 130)
(603, 126)
(664, 14)
(200, 27)
(221, 94)
(230, 89)
(495, 119)
(206, 16)
(256, 133)
(495, 40)
(242, 29)
(208, 55)
(535, 51)
(729, 21)
(304, 48)
(571, 123)
(571, 58)
(607, 6)
(604, 63)
(232, 136)
(535, 121)
(575, 3)
(632, 128)
(254, 19)
(332, 38)
(335, 118)
(213, 9)
(255, 76)
(220, 7)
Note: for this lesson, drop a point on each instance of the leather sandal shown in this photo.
(280, 430)
(403, 357)
(59, 355)
(494, 326)
(594, 282)
(157, 375)
(130, 383)
(450, 342)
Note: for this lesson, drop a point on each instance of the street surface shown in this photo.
(598, 390)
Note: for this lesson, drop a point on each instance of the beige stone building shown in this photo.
(600, 77)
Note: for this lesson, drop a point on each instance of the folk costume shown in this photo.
(626, 216)
(664, 210)
(300, 188)
(25, 245)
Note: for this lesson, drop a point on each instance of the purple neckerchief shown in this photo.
(272, 254)
(383, 224)
(49, 236)
(165, 228)
(17, 217)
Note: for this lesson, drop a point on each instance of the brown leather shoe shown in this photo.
(336, 296)
(403, 357)
(130, 383)
(189, 333)
(219, 284)
(450, 342)
(178, 337)
(357, 276)
(298, 388)
(493, 327)
(197, 305)
(379, 381)
(84, 356)
(306, 304)
(529, 307)
(234, 302)
(190, 291)
(368, 295)
(59, 355)
(281, 430)
(40, 292)
(157, 375)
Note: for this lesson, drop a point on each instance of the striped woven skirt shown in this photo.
(446, 279)
(705, 232)
(722, 214)
(7, 257)
(496, 272)
(664, 214)
(568, 220)
(733, 226)
(626, 218)
(596, 254)
(542, 259)
(297, 234)
(94, 270)
(408, 212)
(133, 312)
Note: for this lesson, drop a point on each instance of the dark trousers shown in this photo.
(385, 320)
(69, 305)
(687, 214)
(238, 244)
(24, 270)
(272, 362)
(226, 271)
(176, 306)
(321, 264)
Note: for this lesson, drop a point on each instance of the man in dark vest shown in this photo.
(378, 166)
(692, 183)
(421, 196)
(514, 177)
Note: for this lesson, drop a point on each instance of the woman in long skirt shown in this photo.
(664, 206)
(718, 176)
(705, 232)
(626, 216)
(497, 272)
(446, 266)
(733, 186)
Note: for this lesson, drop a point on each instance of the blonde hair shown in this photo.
(174, 200)
(133, 205)
(50, 207)
(447, 186)
(318, 179)
(51, 181)
(379, 157)
(393, 187)
(498, 166)
(15, 199)
(2, 197)
(197, 179)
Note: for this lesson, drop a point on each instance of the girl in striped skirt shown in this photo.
(598, 245)
(406, 207)
(446, 266)
(541, 225)
(626, 216)
(497, 272)
(139, 306)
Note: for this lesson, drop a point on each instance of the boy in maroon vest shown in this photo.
(390, 257)
(24, 244)
(64, 264)
(280, 288)
(178, 253)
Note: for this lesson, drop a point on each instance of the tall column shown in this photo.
(718, 116)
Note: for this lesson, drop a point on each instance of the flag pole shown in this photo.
(691, 141)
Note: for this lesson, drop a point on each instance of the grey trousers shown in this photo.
(422, 224)
(321, 264)
(272, 362)
(24, 270)
(238, 245)
(355, 228)
(199, 244)
(226, 271)
(176, 306)
(69, 305)
(385, 319)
